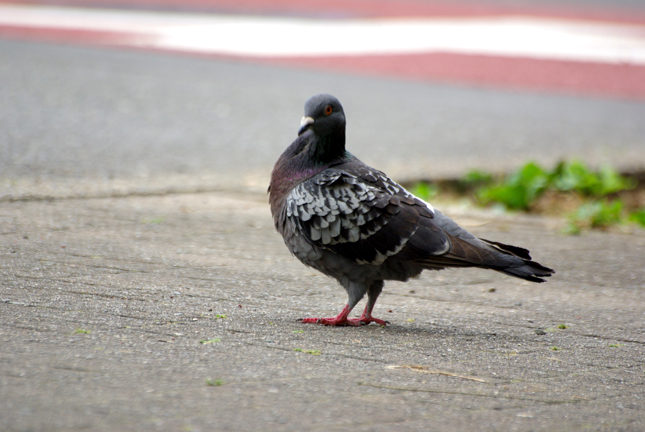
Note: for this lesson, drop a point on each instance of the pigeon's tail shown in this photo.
(530, 271)
(466, 250)
(524, 267)
(510, 260)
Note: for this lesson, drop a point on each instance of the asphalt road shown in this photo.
(80, 121)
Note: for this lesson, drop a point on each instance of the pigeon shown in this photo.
(353, 223)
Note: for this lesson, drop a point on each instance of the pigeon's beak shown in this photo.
(304, 124)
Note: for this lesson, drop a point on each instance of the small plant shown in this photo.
(574, 175)
(209, 341)
(215, 383)
(555, 348)
(638, 217)
(596, 214)
(312, 352)
(152, 220)
(563, 326)
(475, 178)
(220, 316)
(82, 331)
(425, 191)
(520, 190)
(569, 182)
(298, 331)
(615, 345)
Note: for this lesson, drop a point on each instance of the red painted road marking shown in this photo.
(575, 78)
(253, 36)
(553, 56)
(369, 8)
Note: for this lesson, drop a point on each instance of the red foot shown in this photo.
(356, 322)
(335, 321)
(371, 319)
(342, 320)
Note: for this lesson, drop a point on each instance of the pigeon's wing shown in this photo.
(361, 214)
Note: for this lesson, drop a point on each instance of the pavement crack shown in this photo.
(440, 300)
(130, 316)
(329, 354)
(611, 338)
(423, 369)
(24, 327)
(476, 394)
(126, 270)
(74, 369)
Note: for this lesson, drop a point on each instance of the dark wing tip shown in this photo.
(515, 250)
(530, 271)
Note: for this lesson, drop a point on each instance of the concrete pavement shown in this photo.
(179, 313)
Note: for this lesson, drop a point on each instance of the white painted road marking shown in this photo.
(255, 36)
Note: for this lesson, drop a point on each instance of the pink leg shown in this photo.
(367, 317)
(372, 295)
(339, 320)
(342, 320)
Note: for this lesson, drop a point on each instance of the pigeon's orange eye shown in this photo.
(328, 109)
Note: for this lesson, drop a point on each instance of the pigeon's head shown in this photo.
(320, 143)
(324, 115)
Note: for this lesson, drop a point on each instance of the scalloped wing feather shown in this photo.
(362, 215)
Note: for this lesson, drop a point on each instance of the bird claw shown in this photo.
(342, 320)
(367, 321)
(335, 321)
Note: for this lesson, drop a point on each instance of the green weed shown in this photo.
(425, 191)
(475, 178)
(312, 352)
(522, 189)
(518, 191)
(596, 214)
(638, 217)
(152, 220)
(575, 176)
